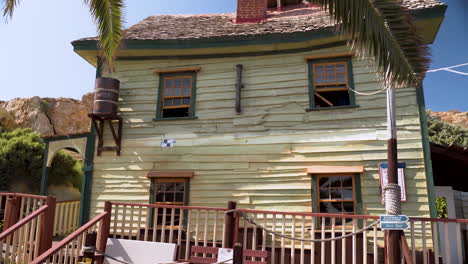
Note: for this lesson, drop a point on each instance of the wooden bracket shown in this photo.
(239, 86)
(98, 121)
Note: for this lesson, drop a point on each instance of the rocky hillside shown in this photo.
(453, 116)
(47, 116)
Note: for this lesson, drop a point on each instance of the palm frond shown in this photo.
(108, 15)
(383, 29)
(8, 6)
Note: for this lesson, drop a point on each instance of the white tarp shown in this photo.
(139, 252)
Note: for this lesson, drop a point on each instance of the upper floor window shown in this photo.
(176, 97)
(329, 83)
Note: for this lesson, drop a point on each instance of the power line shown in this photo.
(450, 69)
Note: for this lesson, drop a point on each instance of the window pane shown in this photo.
(177, 82)
(347, 181)
(159, 197)
(341, 78)
(330, 69)
(179, 197)
(324, 182)
(348, 207)
(335, 181)
(347, 194)
(185, 100)
(319, 69)
(336, 194)
(177, 91)
(179, 186)
(187, 82)
(324, 194)
(168, 102)
(340, 68)
(162, 186)
(169, 83)
(168, 92)
(176, 101)
(186, 91)
(169, 197)
(330, 207)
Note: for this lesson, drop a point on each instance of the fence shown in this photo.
(289, 237)
(66, 217)
(69, 249)
(22, 241)
(21, 204)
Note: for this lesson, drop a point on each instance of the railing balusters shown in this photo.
(163, 225)
(435, 241)
(131, 222)
(322, 244)
(264, 234)
(205, 230)
(293, 231)
(364, 242)
(155, 223)
(283, 231)
(354, 240)
(140, 212)
(197, 226)
(179, 232)
(116, 219)
(171, 230)
(302, 237)
(376, 252)
(333, 242)
(459, 243)
(244, 237)
(124, 222)
(343, 241)
(312, 237)
(413, 242)
(273, 238)
(147, 223)
(423, 234)
(447, 242)
(215, 228)
(187, 241)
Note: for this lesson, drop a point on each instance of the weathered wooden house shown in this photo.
(257, 107)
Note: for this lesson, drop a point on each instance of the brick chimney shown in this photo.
(251, 11)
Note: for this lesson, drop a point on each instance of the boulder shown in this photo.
(6, 119)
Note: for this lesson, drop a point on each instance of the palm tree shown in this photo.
(380, 28)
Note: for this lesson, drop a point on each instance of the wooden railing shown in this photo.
(25, 239)
(68, 250)
(16, 206)
(66, 217)
(348, 238)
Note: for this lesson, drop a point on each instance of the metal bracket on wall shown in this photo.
(239, 85)
(98, 121)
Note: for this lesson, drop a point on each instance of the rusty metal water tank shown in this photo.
(106, 96)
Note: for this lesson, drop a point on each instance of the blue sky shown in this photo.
(38, 59)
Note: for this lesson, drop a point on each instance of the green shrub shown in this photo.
(21, 156)
(444, 133)
(441, 205)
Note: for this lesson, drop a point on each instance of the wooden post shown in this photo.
(88, 250)
(393, 246)
(406, 250)
(238, 256)
(12, 211)
(229, 225)
(104, 230)
(47, 226)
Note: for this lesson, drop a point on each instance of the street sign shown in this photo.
(394, 222)
(394, 218)
(394, 226)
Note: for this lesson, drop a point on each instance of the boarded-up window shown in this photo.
(330, 81)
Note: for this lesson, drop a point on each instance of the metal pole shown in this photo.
(393, 247)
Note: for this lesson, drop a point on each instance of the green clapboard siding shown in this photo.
(258, 158)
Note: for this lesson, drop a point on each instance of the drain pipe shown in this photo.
(239, 86)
